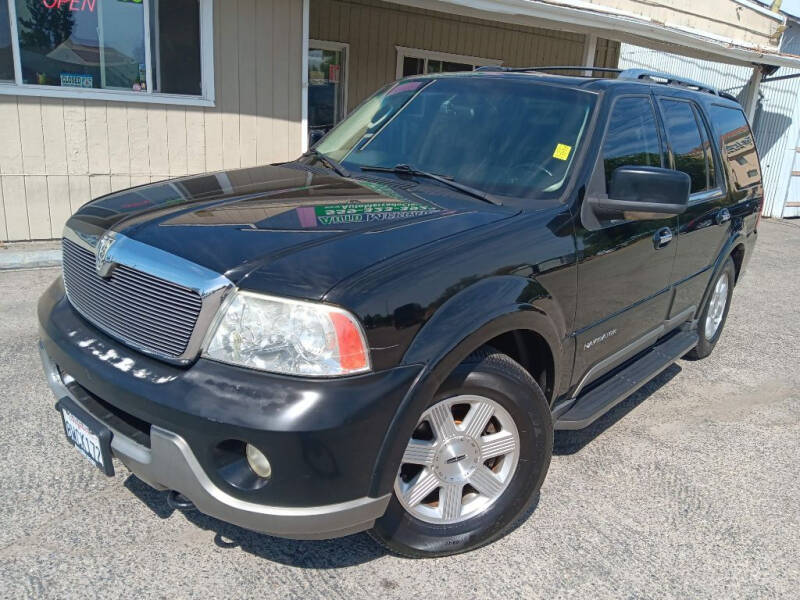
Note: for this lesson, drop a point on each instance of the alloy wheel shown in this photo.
(716, 307)
(459, 460)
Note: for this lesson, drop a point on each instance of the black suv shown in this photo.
(384, 333)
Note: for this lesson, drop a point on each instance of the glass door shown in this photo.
(327, 87)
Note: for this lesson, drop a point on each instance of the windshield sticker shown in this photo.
(562, 152)
(408, 86)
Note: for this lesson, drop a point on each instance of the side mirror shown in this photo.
(645, 190)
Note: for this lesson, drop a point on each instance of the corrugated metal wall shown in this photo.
(374, 28)
(57, 154)
(731, 78)
(777, 121)
(777, 131)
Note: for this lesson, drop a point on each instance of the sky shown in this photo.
(790, 7)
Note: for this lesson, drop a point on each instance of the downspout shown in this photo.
(751, 97)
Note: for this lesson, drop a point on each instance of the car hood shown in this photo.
(291, 229)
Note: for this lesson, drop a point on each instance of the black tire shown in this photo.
(491, 374)
(706, 345)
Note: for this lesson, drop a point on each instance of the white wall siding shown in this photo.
(56, 154)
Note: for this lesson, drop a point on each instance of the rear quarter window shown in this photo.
(737, 144)
(686, 142)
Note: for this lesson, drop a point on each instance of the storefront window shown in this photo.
(413, 66)
(421, 62)
(6, 55)
(82, 43)
(175, 29)
(104, 44)
(446, 66)
(326, 86)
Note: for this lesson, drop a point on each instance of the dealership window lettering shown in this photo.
(139, 46)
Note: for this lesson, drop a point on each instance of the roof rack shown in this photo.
(636, 74)
(559, 68)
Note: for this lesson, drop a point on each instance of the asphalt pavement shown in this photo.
(688, 489)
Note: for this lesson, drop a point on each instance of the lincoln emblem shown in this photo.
(101, 263)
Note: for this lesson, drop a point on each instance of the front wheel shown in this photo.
(474, 463)
(715, 312)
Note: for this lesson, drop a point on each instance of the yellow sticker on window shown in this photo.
(562, 152)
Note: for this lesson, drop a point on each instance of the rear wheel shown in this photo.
(474, 463)
(715, 312)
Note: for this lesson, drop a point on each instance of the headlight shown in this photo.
(288, 336)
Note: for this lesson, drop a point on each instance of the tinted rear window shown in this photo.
(738, 145)
(685, 141)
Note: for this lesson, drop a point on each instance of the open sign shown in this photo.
(73, 5)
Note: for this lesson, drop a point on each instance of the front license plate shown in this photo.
(90, 437)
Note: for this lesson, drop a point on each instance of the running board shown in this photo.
(593, 404)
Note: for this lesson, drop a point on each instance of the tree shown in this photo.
(46, 28)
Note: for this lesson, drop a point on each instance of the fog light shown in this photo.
(258, 462)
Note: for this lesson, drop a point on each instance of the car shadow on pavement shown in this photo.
(313, 554)
(569, 442)
(360, 548)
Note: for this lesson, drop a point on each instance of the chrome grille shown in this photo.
(149, 313)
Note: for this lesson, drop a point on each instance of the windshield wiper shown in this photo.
(409, 170)
(326, 160)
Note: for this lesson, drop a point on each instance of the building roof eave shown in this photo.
(584, 17)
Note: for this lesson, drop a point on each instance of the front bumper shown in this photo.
(170, 464)
(322, 437)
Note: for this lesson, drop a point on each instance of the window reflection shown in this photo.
(687, 146)
(738, 145)
(84, 43)
(632, 138)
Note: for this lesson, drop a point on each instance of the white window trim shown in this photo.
(475, 61)
(336, 47)
(304, 79)
(17, 88)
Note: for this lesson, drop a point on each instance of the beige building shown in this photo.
(100, 95)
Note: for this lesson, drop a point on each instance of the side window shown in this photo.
(710, 165)
(738, 145)
(685, 141)
(632, 137)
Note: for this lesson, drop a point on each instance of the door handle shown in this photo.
(662, 237)
(723, 216)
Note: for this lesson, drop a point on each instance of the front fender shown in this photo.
(465, 322)
(482, 311)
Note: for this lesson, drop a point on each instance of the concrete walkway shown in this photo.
(30, 255)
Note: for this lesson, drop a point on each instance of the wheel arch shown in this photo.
(737, 254)
(530, 329)
(734, 248)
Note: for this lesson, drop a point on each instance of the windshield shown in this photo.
(504, 136)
